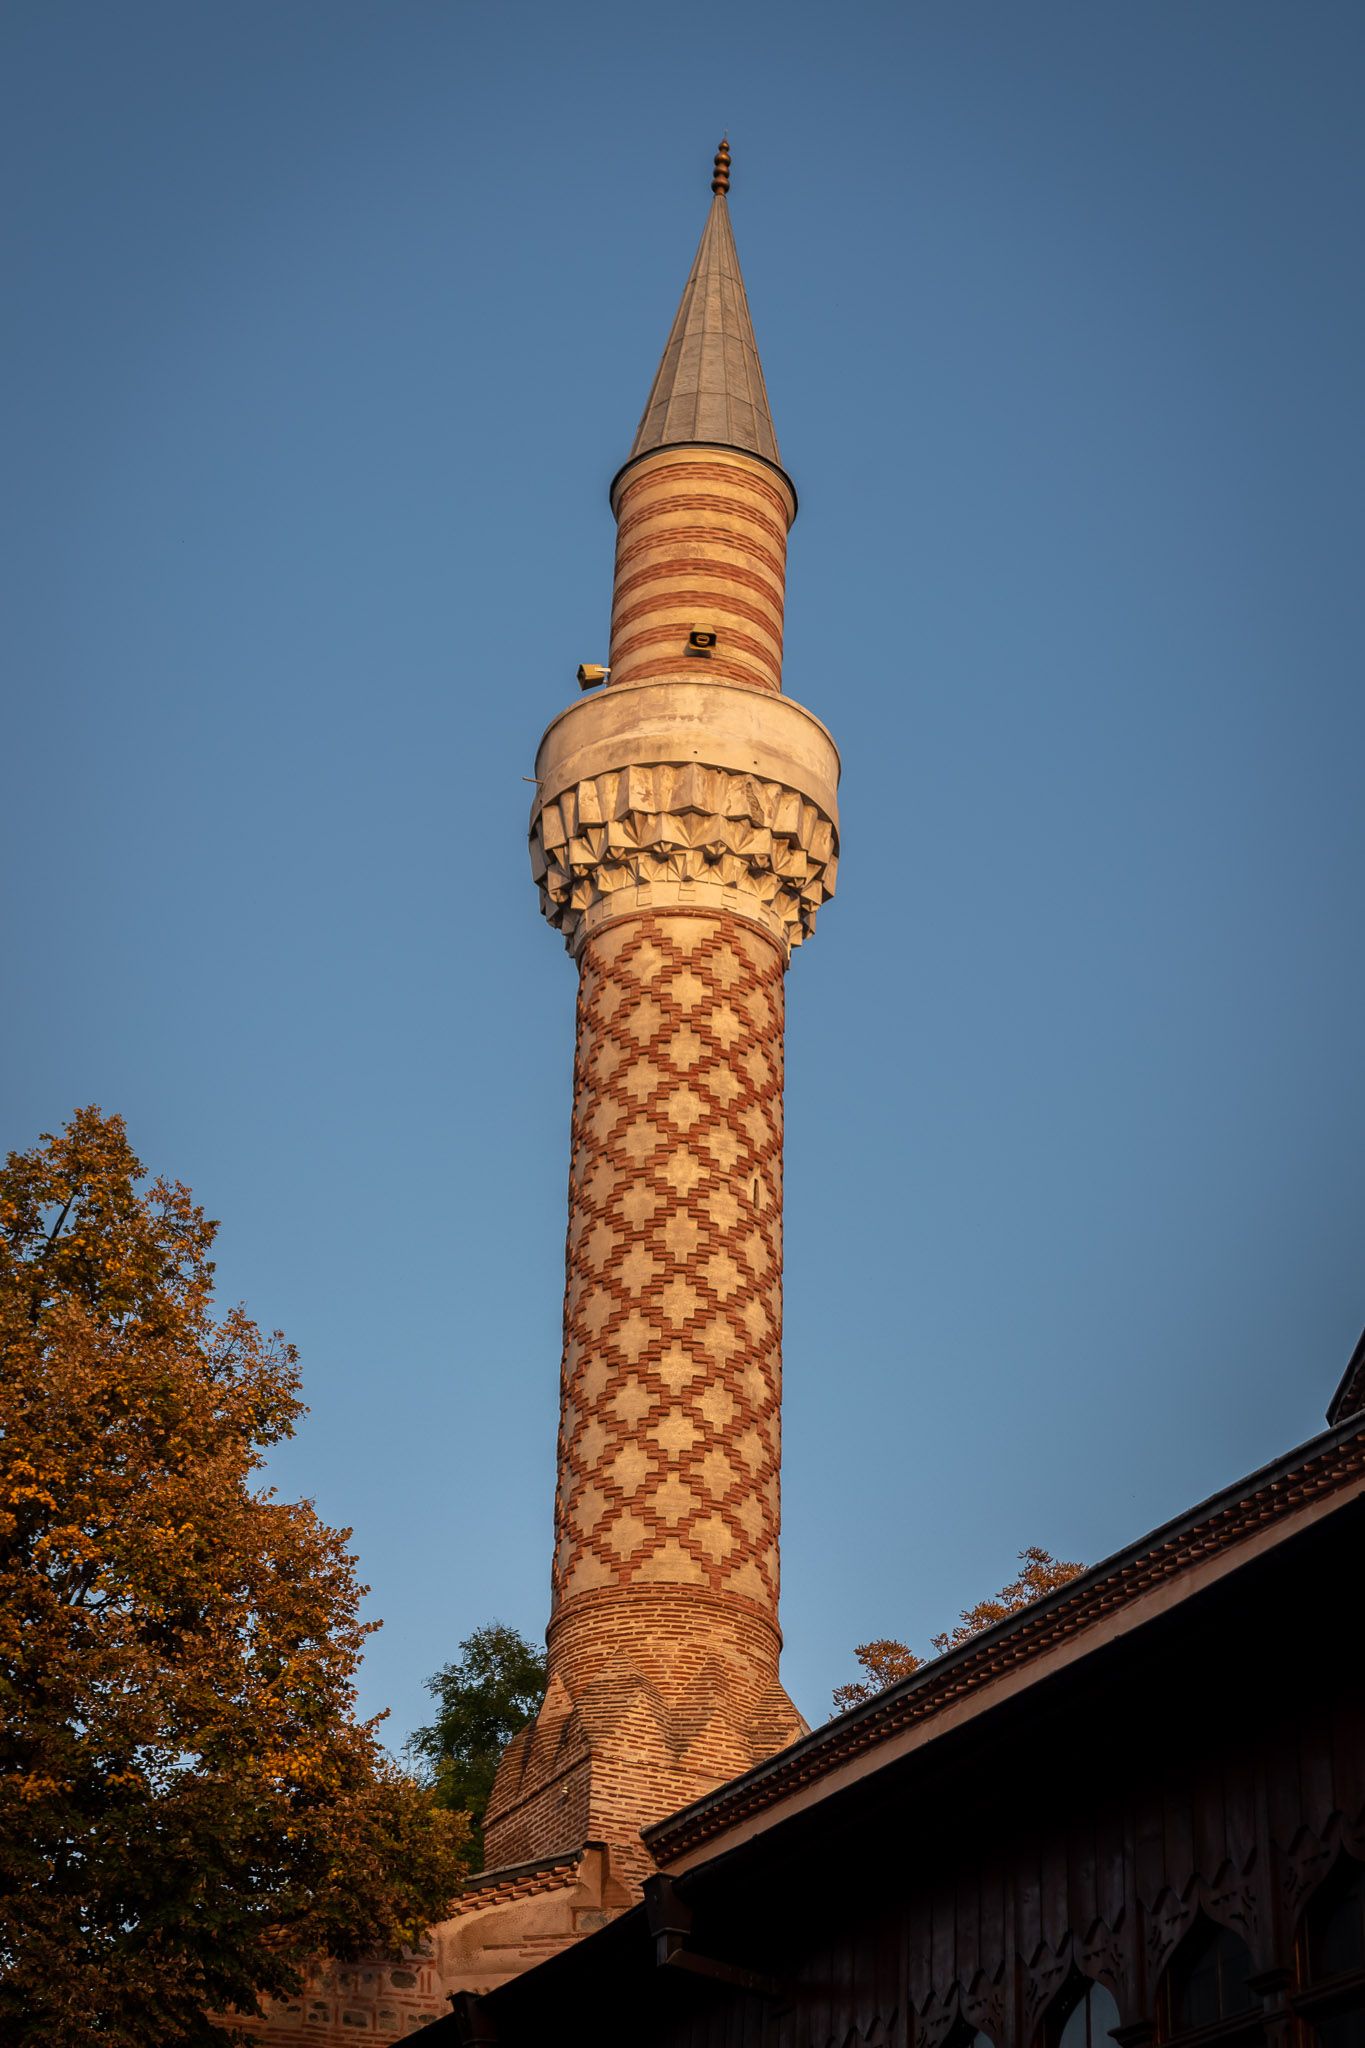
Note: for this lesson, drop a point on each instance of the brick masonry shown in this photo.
(499, 1927)
(669, 1442)
(701, 541)
(380, 1999)
(663, 1637)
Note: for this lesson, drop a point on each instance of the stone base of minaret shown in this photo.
(668, 1702)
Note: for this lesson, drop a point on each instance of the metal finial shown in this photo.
(720, 176)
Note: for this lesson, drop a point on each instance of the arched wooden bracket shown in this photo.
(670, 1923)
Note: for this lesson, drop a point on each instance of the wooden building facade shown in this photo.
(1135, 1811)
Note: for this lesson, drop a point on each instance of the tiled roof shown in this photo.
(496, 1887)
(1326, 1464)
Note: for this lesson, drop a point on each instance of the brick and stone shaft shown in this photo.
(684, 836)
(669, 1446)
(663, 1639)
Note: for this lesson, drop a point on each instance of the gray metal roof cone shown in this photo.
(709, 385)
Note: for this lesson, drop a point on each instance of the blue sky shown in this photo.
(326, 327)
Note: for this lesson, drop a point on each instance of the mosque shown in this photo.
(1134, 1811)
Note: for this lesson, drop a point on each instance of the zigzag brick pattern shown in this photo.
(669, 1450)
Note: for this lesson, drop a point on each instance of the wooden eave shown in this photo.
(1112, 1599)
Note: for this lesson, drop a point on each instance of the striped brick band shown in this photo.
(701, 544)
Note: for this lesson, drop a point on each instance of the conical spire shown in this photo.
(710, 382)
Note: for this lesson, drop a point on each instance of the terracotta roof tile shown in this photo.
(1326, 1464)
(497, 1887)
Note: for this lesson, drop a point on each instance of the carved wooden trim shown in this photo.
(1044, 1975)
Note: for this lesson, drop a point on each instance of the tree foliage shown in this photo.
(491, 1690)
(189, 1809)
(1042, 1573)
(886, 1661)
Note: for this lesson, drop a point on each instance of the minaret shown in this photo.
(683, 835)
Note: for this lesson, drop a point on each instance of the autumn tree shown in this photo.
(491, 1690)
(886, 1661)
(189, 1809)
